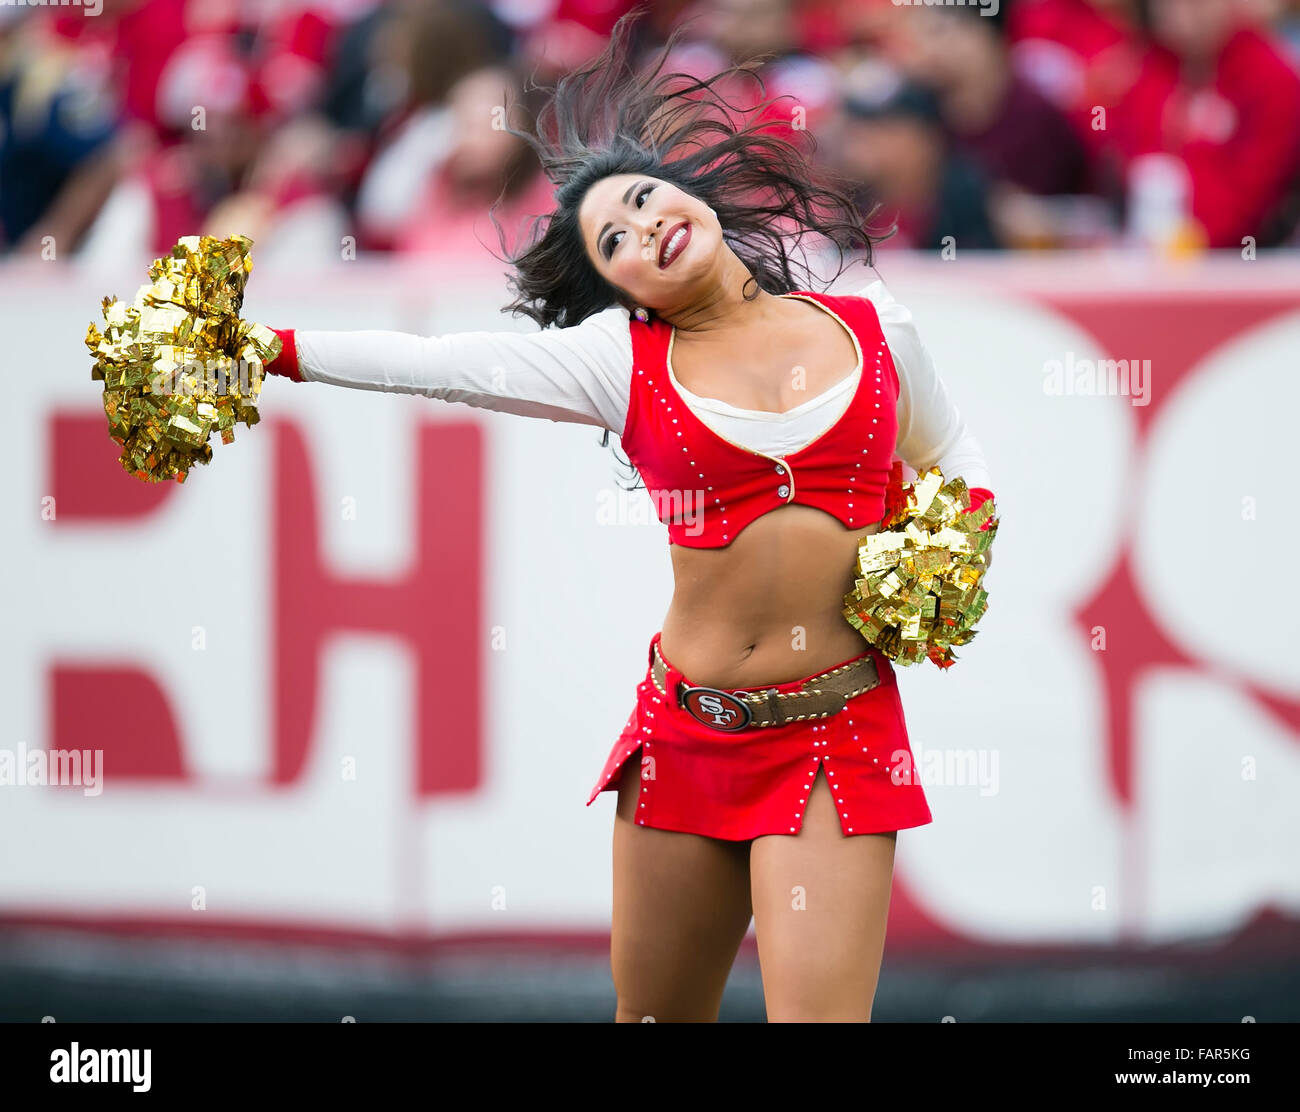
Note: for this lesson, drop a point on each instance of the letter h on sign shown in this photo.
(434, 609)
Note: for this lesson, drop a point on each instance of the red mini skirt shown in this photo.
(743, 784)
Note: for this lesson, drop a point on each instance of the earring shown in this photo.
(641, 315)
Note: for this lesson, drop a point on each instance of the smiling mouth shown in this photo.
(674, 243)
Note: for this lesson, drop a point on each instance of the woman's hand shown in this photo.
(980, 495)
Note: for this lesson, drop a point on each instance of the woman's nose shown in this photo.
(649, 225)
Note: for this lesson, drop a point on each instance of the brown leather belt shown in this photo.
(821, 696)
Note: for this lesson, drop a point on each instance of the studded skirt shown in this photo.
(743, 784)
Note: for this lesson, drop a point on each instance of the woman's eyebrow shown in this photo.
(608, 224)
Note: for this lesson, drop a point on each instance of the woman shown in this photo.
(764, 420)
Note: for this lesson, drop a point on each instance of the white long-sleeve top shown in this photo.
(582, 375)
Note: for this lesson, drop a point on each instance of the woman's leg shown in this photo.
(821, 899)
(681, 909)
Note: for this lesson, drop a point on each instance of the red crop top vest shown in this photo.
(706, 489)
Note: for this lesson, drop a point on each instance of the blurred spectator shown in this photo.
(765, 38)
(58, 121)
(890, 139)
(575, 31)
(223, 90)
(1083, 55)
(1220, 101)
(297, 122)
(425, 49)
(993, 115)
(484, 164)
(401, 56)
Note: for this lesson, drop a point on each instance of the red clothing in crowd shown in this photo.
(1079, 56)
(447, 224)
(1029, 143)
(156, 41)
(1235, 131)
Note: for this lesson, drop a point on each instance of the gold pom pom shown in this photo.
(178, 364)
(919, 589)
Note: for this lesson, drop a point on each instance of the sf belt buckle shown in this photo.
(718, 709)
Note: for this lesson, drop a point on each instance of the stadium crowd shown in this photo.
(308, 124)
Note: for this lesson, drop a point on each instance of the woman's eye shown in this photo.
(610, 241)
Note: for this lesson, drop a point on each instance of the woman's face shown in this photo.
(649, 239)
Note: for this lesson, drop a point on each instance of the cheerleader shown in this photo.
(757, 776)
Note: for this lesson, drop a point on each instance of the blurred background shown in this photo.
(342, 778)
(1027, 124)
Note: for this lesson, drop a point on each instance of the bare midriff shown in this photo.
(769, 607)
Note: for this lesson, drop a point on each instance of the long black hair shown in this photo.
(609, 117)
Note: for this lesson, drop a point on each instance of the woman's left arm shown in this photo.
(931, 429)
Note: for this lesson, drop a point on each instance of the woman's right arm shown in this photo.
(580, 374)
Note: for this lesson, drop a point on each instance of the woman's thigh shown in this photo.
(681, 909)
(821, 900)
